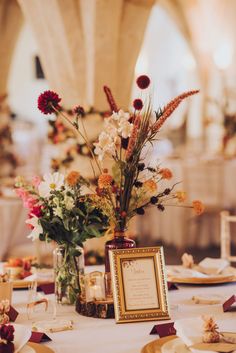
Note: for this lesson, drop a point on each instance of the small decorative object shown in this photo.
(4, 311)
(94, 286)
(6, 338)
(139, 285)
(93, 300)
(60, 212)
(131, 185)
(210, 328)
(187, 260)
(207, 300)
(5, 287)
(102, 309)
(52, 326)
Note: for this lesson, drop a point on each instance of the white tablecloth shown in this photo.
(98, 335)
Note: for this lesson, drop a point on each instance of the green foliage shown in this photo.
(85, 220)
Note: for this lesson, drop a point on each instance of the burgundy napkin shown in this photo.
(38, 337)
(228, 305)
(172, 286)
(12, 313)
(47, 288)
(163, 330)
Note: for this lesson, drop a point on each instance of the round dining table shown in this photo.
(91, 335)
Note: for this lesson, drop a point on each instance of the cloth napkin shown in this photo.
(212, 266)
(191, 330)
(181, 272)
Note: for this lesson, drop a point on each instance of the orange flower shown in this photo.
(181, 196)
(104, 181)
(198, 207)
(72, 178)
(150, 185)
(166, 173)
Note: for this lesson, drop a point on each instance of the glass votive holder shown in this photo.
(5, 286)
(108, 286)
(94, 286)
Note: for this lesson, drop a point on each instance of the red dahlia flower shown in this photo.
(143, 81)
(138, 104)
(48, 101)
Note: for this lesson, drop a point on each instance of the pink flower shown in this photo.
(29, 202)
(36, 180)
(22, 193)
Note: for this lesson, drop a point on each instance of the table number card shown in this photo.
(164, 330)
(172, 286)
(13, 313)
(139, 285)
(38, 337)
(230, 304)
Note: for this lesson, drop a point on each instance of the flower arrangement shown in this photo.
(59, 211)
(131, 186)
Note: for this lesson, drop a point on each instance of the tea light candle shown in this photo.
(95, 290)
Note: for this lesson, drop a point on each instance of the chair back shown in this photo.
(225, 236)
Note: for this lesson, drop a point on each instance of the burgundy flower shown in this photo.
(143, 81)
(47, 101)
(7, 332)
(36, 210)
(78, 110)
(110, 99)
(138, 104)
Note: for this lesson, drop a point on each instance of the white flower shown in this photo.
(125, 129)
(104, 146)
(37, 228)
(120, 115)
(50, 182)
(110, 128)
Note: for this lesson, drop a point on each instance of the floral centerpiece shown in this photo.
(61, 212)
(131, 185)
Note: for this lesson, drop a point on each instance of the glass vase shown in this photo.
(68, 267)
(120, 241)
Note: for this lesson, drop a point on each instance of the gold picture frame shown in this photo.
(139, 284)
